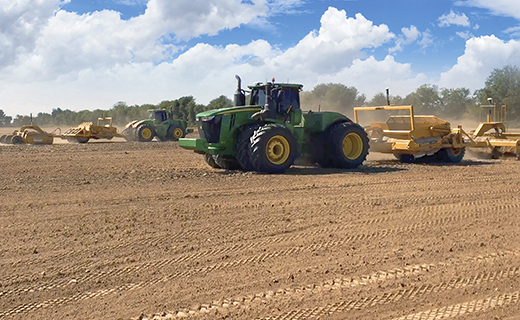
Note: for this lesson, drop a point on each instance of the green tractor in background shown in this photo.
(269, 132)
(160, 124)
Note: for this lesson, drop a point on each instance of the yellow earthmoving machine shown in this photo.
(491, 137)
(87, 130)
(30, 134)
(412, 138)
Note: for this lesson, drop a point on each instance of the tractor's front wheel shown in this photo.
(210, 160)
(453, 155)
(226, 162)
(244, 147)
(82, 139)
(2, 138)
(346, 146)
(145, 133)
(273, 149)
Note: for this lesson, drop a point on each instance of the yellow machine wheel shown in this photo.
(352, 146)
(145, 133)
(272, 149)
(178, 133)
(278, 150)
(345, 145)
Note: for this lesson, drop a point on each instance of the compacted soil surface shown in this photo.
(113, 230)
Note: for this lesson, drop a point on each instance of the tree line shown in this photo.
(502, 87)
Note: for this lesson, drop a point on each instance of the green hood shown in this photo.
(216, 112)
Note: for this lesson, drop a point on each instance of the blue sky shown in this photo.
(77, 54)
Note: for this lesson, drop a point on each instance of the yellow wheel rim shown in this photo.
(278, 150)
(146, 133)
(352, 146)
(178, 133)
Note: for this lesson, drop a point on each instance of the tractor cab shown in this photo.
(158, 116)
(283, 100)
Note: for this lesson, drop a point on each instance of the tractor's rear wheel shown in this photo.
(2, 138)
(226, 162)
(244, 148)
(211, 161)
(175, 132)
(16, 140)
(145, 133)
(273, 149)
(453, 155)
(346, 146)
(82, 139)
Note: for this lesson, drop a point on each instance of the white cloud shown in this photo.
(513, 31)
(509, 8)
(187, 19)
(464, 34)
(371, 76)
(409, 35)
(21, 23)
(482, 55)
(453, 18)
(427, 39)
(94, 60)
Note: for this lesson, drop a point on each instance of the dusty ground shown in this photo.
(143, 230)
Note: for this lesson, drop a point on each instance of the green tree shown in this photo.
(379, 99)
(425, 99)
(220, 102)
(5, 120)
(332, 96)
(503, 86)
(456, 102)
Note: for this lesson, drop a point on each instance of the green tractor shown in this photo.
(160, 124)
(270, 132)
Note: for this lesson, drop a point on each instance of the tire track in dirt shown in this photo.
(207, 269)
(352, 282)
(408, 294)
(474, 306)
(259, 221)
(187, 258)
(347, 282)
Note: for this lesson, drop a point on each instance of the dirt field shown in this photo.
(109, 230)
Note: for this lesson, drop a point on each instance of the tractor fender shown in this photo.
(137, 123)
(335, 122)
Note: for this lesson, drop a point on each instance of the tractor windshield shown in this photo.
(258, 97)
(284, 98)
(159, 116)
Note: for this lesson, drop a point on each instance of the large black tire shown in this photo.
(226, 162)
(406, 158)
(2, 138)
(175, 132)
(82, 139)
(495, 153)
(273, 149)
(244, 147)
(129, 134)
(145, 133)
(345, 146)
(8, 138)
(16, 140)
(453, 155)
(210, 160)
